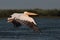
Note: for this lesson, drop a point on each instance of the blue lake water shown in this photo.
(49, 27)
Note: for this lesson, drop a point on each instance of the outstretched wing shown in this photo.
(29, 13)
(29, 24)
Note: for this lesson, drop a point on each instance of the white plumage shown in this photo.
(24, 17)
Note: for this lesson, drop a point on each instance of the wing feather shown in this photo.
(29, 24)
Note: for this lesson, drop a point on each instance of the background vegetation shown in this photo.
(41, 12)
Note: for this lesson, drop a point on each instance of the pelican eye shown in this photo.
(9, 16)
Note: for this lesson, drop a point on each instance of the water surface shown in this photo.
(49, 27)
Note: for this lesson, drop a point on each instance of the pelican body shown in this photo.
(24, 19)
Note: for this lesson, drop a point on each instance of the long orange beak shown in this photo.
(10, 20)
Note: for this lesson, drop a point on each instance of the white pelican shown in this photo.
(24, 18)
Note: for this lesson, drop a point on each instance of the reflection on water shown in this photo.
(50, 30)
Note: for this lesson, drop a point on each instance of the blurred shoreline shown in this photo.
(41, 12)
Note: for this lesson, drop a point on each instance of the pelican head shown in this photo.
(10, 19)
